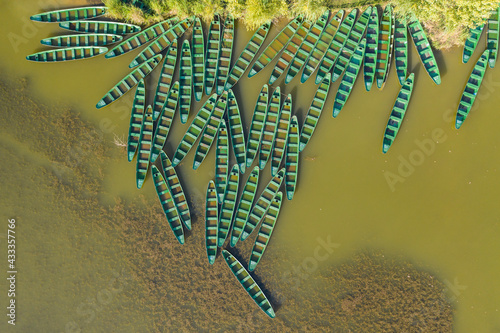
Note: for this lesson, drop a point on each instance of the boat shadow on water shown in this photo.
(440, 61)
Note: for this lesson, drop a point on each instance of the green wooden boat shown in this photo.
(370, 61)
(165, 80)
(336, 46)
(401, 49)
(228, 203)
(136, 119)
(144, 149)
(276, 46)
(236, 130)
(100, 27)
(424, 50)
(165, 121)
(292, 158)
(492, 35)
(347, 82)
(211, 222)
(398, 113)
(70, 14)
(248, 283)
(244, 205)
(67, 54)
(198, 53)
(210, 130)
(321, 46)
(221, 160)
(185, 81)
(247, 55)
(314, 112)
(281, 135)
(141, 38)
(257, 124)
(471, 42)
(385, 43)
(471, 89)
(265, 232)
(269, 130)
(225, 53)
(128, 82)
(175, 187)
(194, 130)
(82, 40)
(168, 204)
(212, 55)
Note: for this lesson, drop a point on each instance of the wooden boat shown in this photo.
(262, 204)
(82, 40)
(321, 46)
(136, 119)
(347, 82)
(265, 232)
(236, 130)
(292, 158)
(228, 203)
(165, 121)
(70, 14)
(185, 81)
(281, 135)
(276, 46)
(221, 160)
(144, 150)
(398, 113)
(165, 79)
(128, 82)
(141, 38)
(194, 130)
(257, 124)
(385, 42)
(269, 130)
(492, 35)
(248, 283)
(471, 89)
(424, 50)
(225, 53)
(336, 46)
(68, 54)
(401, 49)
(198, 53)
(314, 112)
(175, 187)
(211, 222)
(471, 42)
(370, 61)
(212, 55)
(100, 27)
(246, 56)
(210, 130)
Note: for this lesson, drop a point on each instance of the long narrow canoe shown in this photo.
(198, 53)
(210, 130)
(492, 35)
(221, 160)
(72, 53)
(269, 130)
(71, 14)
(348, 81)
(265, 232)
(424, 50)
(385, 42)
(257, 124)
(398, 113)
(175, 187)
(165, 79)
(144, 149)
(248, 283)
(82, 40)
(321, 46)
(336, 46)
(314, 112)
(281, 135)
(211, 222)
(128, 82)
(471, 89)
(228, 203)
(225, 53)
(244, 205)
(401, 49)
(247, 55)
(136, 119)
(185, 81)
(292, 158)
(236, 130)
(276, 46)
(212, 55)
(471, 42)
(194, 130)
(101, 27)
(372, 33)
(168, 205)
(141, 38)
(165, 121)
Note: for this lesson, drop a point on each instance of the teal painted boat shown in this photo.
(471, 42)
(211, 222)
(236, 130)
(221, 160)
(401, 49)
(136, 119)
(370, 61)
(269, 130)
(100, 27)
(492, 35)
(144, 150)
(165, 80)
(281, 135)
(257, 124)
(228, 204)
(292, 158)
(225, 54)
(70, 14)
(198, 53)
(385, 46)
(185, 81)
(67, 54)
(424, 50)
(82, 40)
(212, 55)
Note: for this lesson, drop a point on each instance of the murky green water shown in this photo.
(87, 261)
